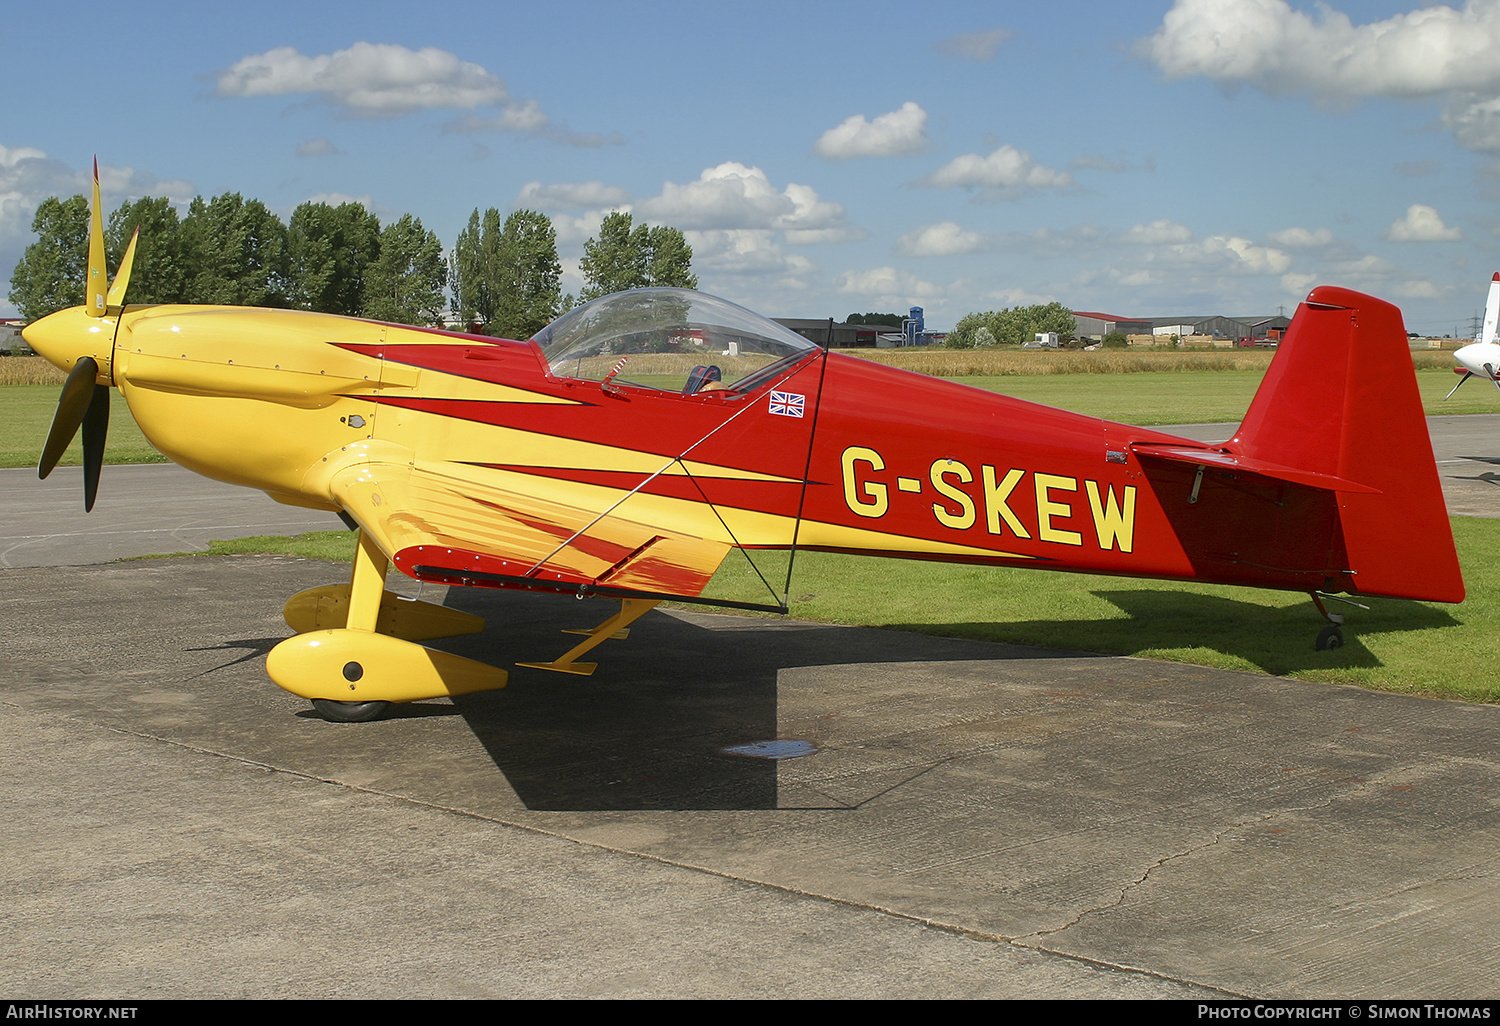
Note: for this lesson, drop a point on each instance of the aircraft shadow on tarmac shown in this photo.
(1488, 476)
(1274, 639)
(650, 729)
(252, 649)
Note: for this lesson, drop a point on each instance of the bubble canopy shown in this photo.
(675, 340)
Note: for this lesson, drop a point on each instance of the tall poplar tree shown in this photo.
(406, 283)
(622, 257)
(476, 268)
(50, 274)
(235, 251)
(329, 252)
(159, 269)
(528, 292)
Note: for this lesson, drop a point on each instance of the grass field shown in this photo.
(26, 414)
(1133, 388)
(1408, 647)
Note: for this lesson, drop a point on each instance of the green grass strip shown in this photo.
(26, 416)
(1397, 645)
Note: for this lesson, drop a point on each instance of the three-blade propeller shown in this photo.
(1489, 369)
(84, 401)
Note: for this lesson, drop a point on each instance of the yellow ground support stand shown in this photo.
(631, 610)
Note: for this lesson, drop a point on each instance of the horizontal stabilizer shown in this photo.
(1249, 465)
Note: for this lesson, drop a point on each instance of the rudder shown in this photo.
(1340, 399)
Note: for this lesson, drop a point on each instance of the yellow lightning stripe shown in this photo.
(465, 441)
(450, 506)
(405, 503)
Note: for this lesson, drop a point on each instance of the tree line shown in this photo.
(1011, 326)
(504, 276)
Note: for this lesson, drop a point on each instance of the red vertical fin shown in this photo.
(1341, 398)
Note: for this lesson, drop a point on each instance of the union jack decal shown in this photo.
(788, 404)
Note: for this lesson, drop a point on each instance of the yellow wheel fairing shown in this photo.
(361, 666)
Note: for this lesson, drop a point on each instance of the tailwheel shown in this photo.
(1329, 638)
(1332, 635)
(350, 712)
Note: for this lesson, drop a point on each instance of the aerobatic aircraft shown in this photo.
(628, 447)
(1482, 357)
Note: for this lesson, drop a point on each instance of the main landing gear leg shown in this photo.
(355, 654)
(631, 610)
(366, 586)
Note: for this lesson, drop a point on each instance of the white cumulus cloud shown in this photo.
(1474, 120)
(894, 134)
(943, 239)
(1298, 284)
(28, 176)
(1269, 44)
(519, 116)
(319, 147)
(730, 195)
(9, 158)
(1421, 223)
(748, 253)
(1164, 244)
(1417, 288)
(887, 286)
(1004, 174)
(734, 196)
(368, 78)
(1302, 238)
(1429, 52)
(1243, 256)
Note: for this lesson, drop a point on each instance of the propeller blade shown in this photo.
(122, 273)
(97, 286)
(1466, 377)
(1490, 370)
(72, 406)
(95, 428)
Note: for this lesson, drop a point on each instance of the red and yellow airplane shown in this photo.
(630, 445)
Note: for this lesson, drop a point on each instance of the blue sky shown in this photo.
(824, 157)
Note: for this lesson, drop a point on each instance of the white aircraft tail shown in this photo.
(1491, 311)
(1481, 357)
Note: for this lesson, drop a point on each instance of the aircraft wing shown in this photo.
(466, 524)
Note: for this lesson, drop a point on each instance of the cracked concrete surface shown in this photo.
(976, 820)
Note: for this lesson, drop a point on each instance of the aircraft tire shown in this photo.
(350, 712)
(1329, 638)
